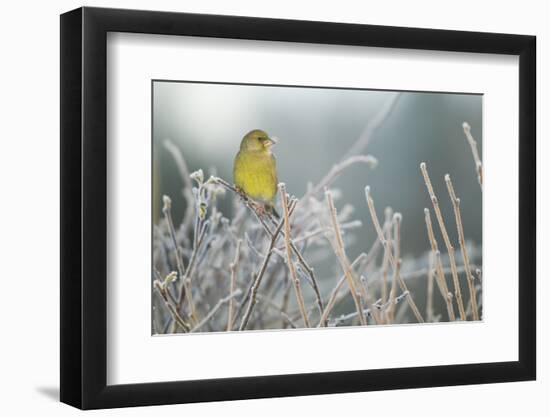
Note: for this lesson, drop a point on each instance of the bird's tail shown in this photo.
(270, 208)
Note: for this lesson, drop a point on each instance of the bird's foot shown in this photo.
(241, 192)
(260, 208)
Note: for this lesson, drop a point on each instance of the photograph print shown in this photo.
(291, 207)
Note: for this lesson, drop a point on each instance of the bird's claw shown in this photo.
(261, 210)
(241, 192)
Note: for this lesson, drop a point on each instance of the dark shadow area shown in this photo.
(49, 392)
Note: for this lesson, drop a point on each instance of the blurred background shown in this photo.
(315, 128)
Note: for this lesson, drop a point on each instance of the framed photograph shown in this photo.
(257, 207)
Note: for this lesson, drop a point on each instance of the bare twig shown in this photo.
(180, 163)
(233, 269)
(445, 293)
(370, 311)
(286, 299)
(185, 177)
(397, 219)
(306, 236)
(336, 170)
(475, 154)
(160, 286)
(396, 265)
(251, 295)
(339, 249)
(352, 156)
(394, 261)
(371, 128)
(308, 269)
(334, 294)
(166, 210)
(246, 299)
(214, 310)
(252, 205)
(185, 290)
(367, 312)
(290, 262)
(462, 241)
(366, 298)
(450, 248)
(479, 287)
(440, 274)
(430, 289)
(278, 309)
(421, 272)
(388, 212)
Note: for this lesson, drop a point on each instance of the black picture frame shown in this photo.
(84, 207)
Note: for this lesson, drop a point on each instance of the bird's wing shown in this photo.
(274, 171)
(236, 163)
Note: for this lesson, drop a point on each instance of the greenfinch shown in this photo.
(255, 169)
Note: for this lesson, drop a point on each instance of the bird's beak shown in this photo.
(270, 142)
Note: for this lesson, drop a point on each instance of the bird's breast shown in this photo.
(256, 174)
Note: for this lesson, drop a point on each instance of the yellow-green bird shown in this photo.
(255, 169)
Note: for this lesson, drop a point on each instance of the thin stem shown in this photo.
(397, 219)
(392, 243)
(180, 163)
(370, 129)
(385, 261)
(252, 206)
(193, 259)
(370, 311)
(336, 170)
(344, 226)
(475, 154)
(286, 318)
(450, 248)
(290, 262)
(448, 295)
(352, 155)
(233, 271)
(246, 299)
(424, 271)
(309, 270)
(249, 291)
(394, 260)
(161, 288)
(365, 295)
(465, 256)
(251, 295)
(334, 294)
(286, 299)
(346, 317)
(185, 290)
(430, 289)
(339, 249)
(440, 274)
(184, 174)
(214, 309)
